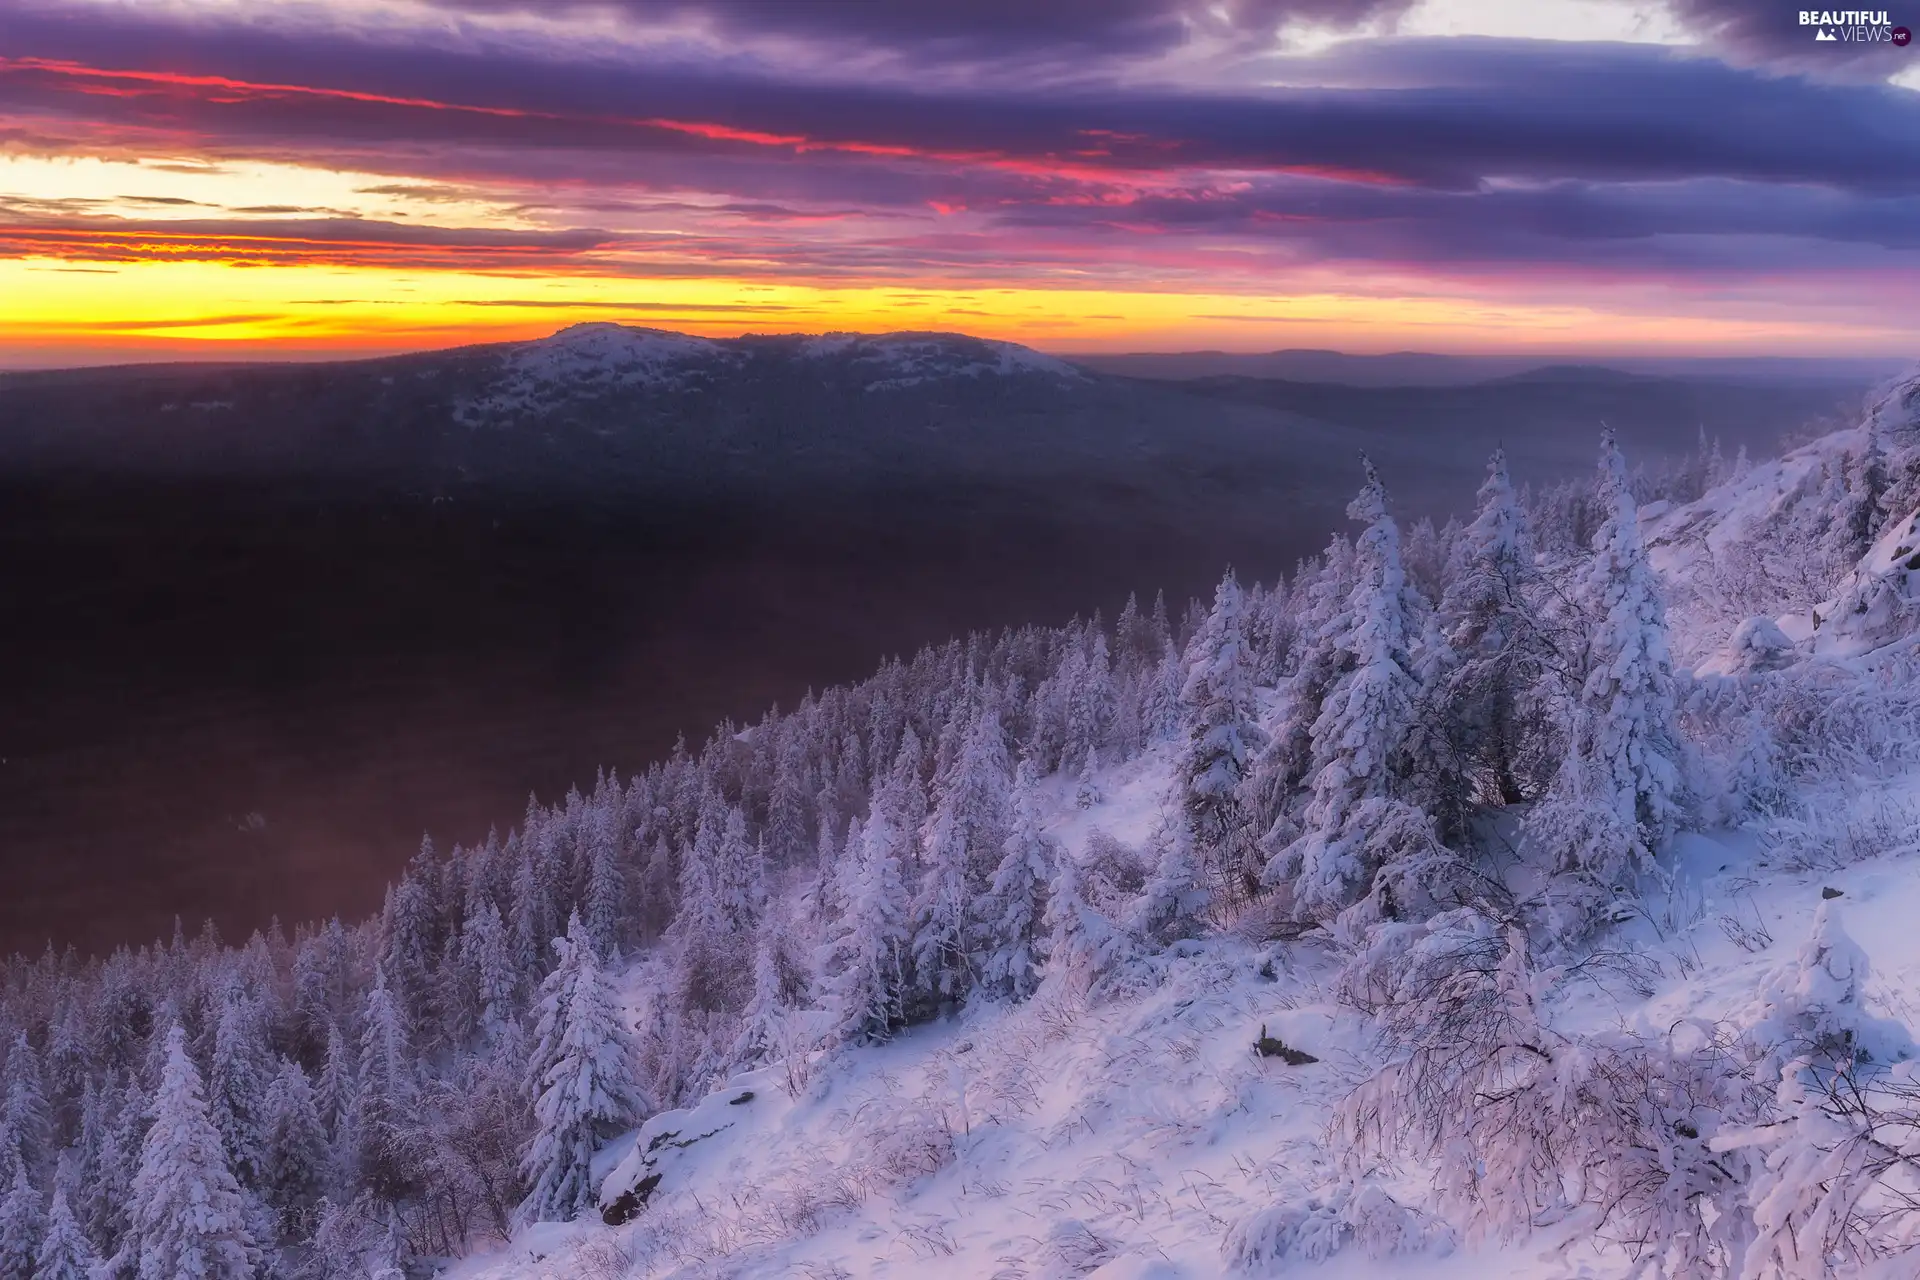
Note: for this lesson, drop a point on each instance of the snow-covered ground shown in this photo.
(1126, 1139)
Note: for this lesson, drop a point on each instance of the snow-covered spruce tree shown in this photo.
(237, 1085)
(26, 1121)
(188, 1217)
(488, 957)
(384, 1088)
(863, 963)
(717, 909)
(964, 838)
(766, 1011)
(410, 928)
(1085, 950)
(1222, 734)
(582, 1071)
(65, 1252)
(788, 840)
(1318, 598)
(1010, 913)
(68, 1053)
(1090, 702)
(1492, 653)
(1086, 792)
(334, 1091)
(1133, 656)
(1616, 797)
(1052, 700)
(1854, 513)
(1815, 1005)
(1357, 818)
(105, 1186)
(22, 1225)
(1172, 903)
(295, 1160)
(606, 887)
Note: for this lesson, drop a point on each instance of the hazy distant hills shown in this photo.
(1425, 369)
(601, 409)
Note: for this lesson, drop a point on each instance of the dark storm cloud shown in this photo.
(1447, 114)
(1512, 223)
(982, 26)
(1388, 150)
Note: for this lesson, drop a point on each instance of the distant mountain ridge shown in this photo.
(1418, 368)
(604, 408)
(587, 362)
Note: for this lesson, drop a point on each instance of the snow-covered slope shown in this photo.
(591, 359)
(1762, 547)
(895, 360)
(1139, 1133)
(1142, 1137)
(593, 362)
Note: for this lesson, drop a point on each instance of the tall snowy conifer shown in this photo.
(1354, 815)
(488, 958)
(1321, 588)
(1223, 735)
(964, 836)
(295, 1161)
(65, 1252)
(1614, 802)
(1083, 946)
(606, 886)
(107, 1193)
(1011, 912)
(1491, 649)
(237, 1084)
(1089, 702)
(410, 941)
(26, 1122)
(788, 843)
(717, 909)
(582, 1075)
(384, 1090)
(766, 1009)
(22, 1225)
(188, 1219)
(335, 1089)
(863, 964)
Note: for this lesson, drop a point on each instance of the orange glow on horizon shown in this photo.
(210, 310)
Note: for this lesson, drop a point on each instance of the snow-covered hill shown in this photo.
(592, 362)
(1142, 1137)
(1779, 541)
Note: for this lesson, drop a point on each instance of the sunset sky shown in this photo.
(219, 178)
